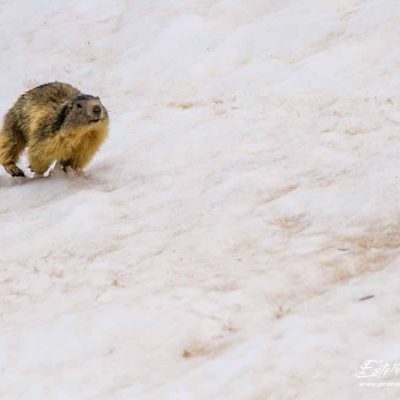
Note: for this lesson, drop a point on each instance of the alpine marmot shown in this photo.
(57, 123)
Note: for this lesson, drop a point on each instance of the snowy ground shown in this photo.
(246, 200)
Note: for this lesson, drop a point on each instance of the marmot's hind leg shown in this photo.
(11, 147)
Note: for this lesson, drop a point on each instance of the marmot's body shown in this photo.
(57, 123)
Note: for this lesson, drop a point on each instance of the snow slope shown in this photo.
(246, 200)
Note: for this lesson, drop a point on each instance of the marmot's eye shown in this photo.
(79, 105)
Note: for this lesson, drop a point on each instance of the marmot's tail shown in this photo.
(10, 150)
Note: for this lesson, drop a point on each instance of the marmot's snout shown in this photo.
(95, 110)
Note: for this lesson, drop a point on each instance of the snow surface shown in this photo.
(246, 200)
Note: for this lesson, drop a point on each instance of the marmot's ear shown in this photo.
(61, 116)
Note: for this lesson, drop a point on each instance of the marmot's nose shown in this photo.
(96, 109)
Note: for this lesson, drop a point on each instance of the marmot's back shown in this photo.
(55, 92)
(45, 98)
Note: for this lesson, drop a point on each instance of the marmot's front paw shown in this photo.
(65, 165)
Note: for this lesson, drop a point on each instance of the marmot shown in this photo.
(57, 123)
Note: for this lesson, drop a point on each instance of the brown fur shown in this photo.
(56, 122)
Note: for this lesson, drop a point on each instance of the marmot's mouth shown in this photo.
(93, 121)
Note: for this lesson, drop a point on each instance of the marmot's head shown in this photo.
(80, 111)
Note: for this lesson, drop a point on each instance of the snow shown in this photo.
(246, 200)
